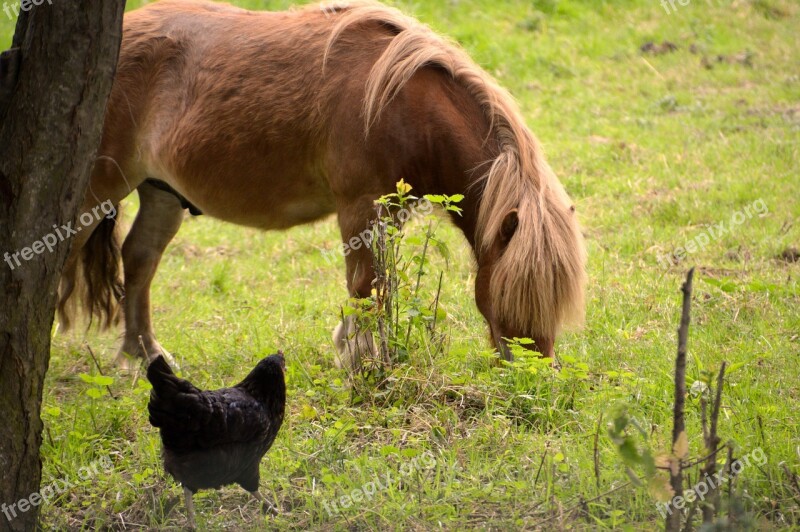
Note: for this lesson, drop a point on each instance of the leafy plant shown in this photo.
(638, 457)
(99, 384)
(400, 314)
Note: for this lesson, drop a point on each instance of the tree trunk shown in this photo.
(54, 85)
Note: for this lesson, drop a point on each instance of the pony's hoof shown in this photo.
(352, 346)
(125, 363)
(131, 355)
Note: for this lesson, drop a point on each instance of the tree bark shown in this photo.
(54, 85)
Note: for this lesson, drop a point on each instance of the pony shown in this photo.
(274, 119)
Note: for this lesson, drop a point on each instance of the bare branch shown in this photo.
(712, 440)
(673, 520)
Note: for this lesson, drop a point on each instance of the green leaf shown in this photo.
(95, 393)
(620, 422)
(724, 284)
(733, 367)
(633, 476)
(308, 412)
(386, 450)
(630, 455)
(760, 286)
(435, 198)
(101, 380)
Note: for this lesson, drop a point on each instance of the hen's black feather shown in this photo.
(214, 438)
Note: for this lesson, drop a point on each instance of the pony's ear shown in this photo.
(509, 226)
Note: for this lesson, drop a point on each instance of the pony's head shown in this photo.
(528, 244)
(530, 253)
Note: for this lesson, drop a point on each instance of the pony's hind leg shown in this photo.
(159, 218)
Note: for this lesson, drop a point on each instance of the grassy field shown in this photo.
(654, 147)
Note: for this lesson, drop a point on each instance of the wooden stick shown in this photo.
(673, 520)
(731, 477)
(597, 452)
(712, 440)
(100, 371)
(139, 368)
(793, 478)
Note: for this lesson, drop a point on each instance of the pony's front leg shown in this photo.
(159, 218)
(353, 344)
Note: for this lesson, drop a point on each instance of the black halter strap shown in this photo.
(160, 185)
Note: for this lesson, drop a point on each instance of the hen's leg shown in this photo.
(266, 506)
(187, 494)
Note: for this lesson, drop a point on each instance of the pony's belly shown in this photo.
(266, 209)
(305, 211)
(257, 198)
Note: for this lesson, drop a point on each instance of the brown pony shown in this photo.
(277, 119)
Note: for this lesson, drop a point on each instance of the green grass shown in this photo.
(653, 149)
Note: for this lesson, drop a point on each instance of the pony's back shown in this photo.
(204, 89)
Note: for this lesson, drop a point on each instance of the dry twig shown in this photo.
(673, 520)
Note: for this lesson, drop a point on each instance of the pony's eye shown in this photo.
(572, 208)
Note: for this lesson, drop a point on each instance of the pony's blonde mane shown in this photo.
(538, 282)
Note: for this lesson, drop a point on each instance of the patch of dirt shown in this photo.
(772, 10)
(790, 255)
(190, 251)
(744, 58)
(716, 273)
(652, 48)
(468, 403)
(738, 255)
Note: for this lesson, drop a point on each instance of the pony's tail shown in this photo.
(93, 282)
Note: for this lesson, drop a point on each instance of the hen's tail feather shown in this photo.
(164, 401)
(158, 371)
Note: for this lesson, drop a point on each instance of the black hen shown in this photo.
(215, 438)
